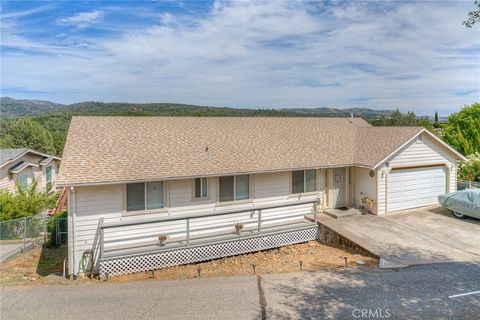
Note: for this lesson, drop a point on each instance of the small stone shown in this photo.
(360, 262)
(33, 279)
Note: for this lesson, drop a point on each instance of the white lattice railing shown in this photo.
(193, 242)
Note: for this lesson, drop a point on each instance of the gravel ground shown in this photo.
(33, 267)
(314, 256)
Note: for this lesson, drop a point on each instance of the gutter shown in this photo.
(73, 211)
(110, 182)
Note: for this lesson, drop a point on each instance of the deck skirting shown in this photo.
(114, 266)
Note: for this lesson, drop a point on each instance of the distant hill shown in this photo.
(11, 108)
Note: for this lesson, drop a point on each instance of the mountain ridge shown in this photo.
(12, 108)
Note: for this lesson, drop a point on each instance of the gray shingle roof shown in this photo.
(10, 154)
(116, 149)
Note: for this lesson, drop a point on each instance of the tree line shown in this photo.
(48, 133)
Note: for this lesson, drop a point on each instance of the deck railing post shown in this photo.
(101, 238)
(259, 221)
(315, 211)
(188, 232)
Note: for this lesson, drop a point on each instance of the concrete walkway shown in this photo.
(8, 250)
(427, 235)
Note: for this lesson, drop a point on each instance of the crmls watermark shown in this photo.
(377, 313)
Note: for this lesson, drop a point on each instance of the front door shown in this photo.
(338, 190)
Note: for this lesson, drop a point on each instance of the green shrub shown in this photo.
(470, 170)
(27, 202)
(52, 229)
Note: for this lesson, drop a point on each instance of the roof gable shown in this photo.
(11, 155)
(7, 155)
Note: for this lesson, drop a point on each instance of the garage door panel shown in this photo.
(396, 185)
(409, 183)
(417, 187)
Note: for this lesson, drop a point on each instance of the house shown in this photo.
(149, 192)
(21, 166)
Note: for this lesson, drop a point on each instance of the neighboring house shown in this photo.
(133, 181)
(21, 166)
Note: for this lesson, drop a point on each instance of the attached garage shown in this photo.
(416, 173)
(415, 187)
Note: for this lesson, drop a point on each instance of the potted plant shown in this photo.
(238, 227)
(163, 240)
(370, 204)
(367, 205)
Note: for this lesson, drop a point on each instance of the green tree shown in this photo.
(462, 131)
(398, 118)
(436, 122)
(27, 202)
(470, 170)
(473, 16)
(26, 133)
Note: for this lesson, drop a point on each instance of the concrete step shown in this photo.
(341, 213)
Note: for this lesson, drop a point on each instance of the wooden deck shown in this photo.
(205, 239)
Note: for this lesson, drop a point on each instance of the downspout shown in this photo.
(74, 246)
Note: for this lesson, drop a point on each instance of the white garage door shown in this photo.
(412, 188)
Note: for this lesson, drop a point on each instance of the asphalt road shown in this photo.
(420, 292)
(218, 298)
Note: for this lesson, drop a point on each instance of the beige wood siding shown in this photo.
(364, 185)
(8, 181)
(108, 201)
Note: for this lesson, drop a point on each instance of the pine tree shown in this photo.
(436, 123)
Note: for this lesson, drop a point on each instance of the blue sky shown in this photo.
(413, 55)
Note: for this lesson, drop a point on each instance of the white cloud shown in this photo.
(414, 56)
(83, 19)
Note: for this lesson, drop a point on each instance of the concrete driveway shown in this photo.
(418, 236)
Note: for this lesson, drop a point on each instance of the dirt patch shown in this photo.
(36, 266)
(314, 256)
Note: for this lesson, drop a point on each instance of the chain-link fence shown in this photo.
(463, 185)
(22, 234)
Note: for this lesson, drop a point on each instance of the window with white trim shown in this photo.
(23, 181)
(48, 177)
(234, 188)
(145, 196)
(201, 188)
(304, 181)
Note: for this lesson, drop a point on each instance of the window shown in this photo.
(233, 188)
(304, 181)
(23, 181)
(201, 188)
(48, 177)
(145, 196)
